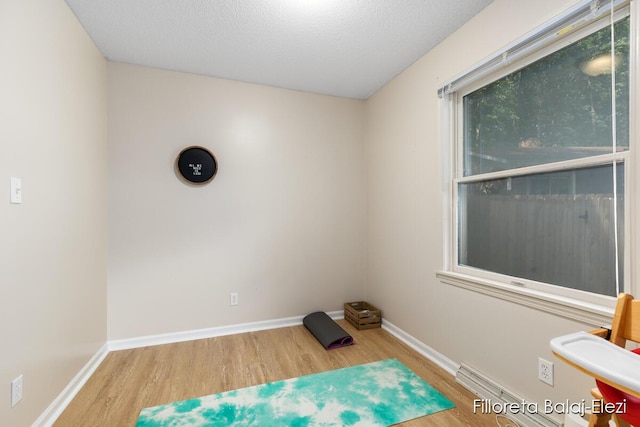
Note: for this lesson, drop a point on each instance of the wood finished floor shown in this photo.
(130, 380)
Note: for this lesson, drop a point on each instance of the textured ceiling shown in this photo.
(348, 48)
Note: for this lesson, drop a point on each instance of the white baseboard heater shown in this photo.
(494, 398)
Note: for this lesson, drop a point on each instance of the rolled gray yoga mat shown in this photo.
(327, 331)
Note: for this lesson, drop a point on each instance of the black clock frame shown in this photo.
(196, 165)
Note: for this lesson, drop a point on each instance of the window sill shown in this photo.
(591, 314)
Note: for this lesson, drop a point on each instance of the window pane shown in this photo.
(553, 227)
(557, 108)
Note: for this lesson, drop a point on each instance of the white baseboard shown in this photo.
(51, 414)
(439, 359)
(60, 403)
(218, 331)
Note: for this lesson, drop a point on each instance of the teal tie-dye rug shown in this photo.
(375, 394)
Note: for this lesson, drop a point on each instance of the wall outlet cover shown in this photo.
(16, 390)
(545, 371)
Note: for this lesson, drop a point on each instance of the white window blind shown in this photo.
(577, 17)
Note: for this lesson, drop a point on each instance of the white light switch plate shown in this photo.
(16, 190)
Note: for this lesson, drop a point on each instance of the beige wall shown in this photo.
(53, 245)
(318, 200)
(405, 220)
(281, 224)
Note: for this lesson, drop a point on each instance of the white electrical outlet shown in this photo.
(233, 299)
(16, 391)
(545, 371)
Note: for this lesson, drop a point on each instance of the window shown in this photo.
(538, 182)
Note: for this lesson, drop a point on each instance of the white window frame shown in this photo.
(586, 307)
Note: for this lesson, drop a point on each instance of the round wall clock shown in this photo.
(196, 165)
